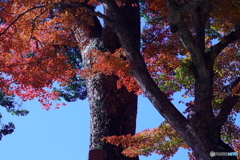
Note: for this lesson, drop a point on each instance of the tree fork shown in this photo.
(113, 111)
(202, 138)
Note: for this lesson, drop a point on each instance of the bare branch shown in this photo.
(228, 103)
(19, 16)
(215, 50)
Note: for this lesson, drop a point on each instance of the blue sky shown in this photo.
(63, 134)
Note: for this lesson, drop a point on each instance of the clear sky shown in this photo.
(63, 134)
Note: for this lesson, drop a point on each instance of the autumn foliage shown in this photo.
(106, 62)
(170, 65)
(34, 36)
(32, 55)
(150, 141)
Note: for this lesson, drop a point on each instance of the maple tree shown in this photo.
(51, 27)
(113, 111)
(171, 66)
(208, 72)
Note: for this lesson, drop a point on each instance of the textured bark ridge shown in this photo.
(202, 131)
(113, 111)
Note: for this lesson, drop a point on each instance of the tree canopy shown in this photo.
(190, 45)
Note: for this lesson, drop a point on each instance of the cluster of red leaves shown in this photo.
(189, 106)
(108, 63)
(32, 53)
(162, 140)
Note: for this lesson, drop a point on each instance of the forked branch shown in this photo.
(228, 103)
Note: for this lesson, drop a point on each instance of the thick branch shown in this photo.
(177, 12)
(198, 28)
(202, 67)
(205, 10)
(140, 73)
(177, 25)
(215, 50)
(190, 6)
(227, 104)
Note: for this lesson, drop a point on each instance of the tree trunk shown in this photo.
(202, 132)
(113, 111)
(206, 144)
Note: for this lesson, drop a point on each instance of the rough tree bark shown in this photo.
(202, 131)
(113, 111)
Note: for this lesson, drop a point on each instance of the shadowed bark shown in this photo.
(113, 111)
(202, 131)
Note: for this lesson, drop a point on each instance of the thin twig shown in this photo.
(19, 16)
